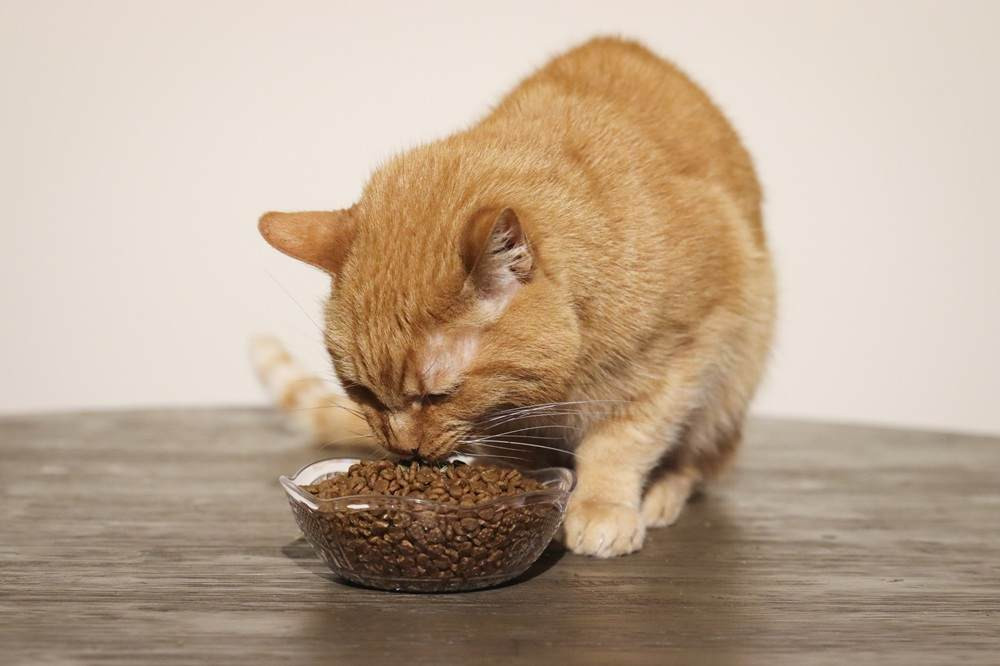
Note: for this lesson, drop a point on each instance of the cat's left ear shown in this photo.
(321, 238)
(496, 253)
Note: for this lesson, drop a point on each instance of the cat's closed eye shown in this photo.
(430, 399)
(364, 396)
(434, 399)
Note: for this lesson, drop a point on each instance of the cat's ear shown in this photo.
(497, 254)
(321, 238)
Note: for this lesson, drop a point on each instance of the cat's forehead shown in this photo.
(402, 294)
(405, 364)
(385, 324)
(440, 361)
(404, 269)
(402, 290)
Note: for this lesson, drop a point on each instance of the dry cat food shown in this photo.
(465, 534)
(453, 483)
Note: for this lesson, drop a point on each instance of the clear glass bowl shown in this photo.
(416, 545)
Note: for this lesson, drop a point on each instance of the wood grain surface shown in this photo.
(162, 537)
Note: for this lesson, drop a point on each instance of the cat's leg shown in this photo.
(666, 496)
(711, 436)
(612, 463)
(603, 518)
(709, 441)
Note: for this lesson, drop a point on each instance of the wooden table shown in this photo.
(163, 537)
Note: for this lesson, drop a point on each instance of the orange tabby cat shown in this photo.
(592, 248)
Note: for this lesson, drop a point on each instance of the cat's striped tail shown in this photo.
(326, 416)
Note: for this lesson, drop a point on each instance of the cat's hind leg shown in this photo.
(707, 445)
(667, 495)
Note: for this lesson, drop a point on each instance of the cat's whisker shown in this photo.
(492, 455)
(545, 405)
(358, 435)
(540, 412)
(541, 415)
(520, 444)
(331, 406)
(560, 426)
(548, 437)
(342, 440)
(557, 404)
(294, 300)
(497, 438)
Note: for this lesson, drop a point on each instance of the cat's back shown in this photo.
(608, 83)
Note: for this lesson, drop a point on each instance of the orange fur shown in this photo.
(597, 237)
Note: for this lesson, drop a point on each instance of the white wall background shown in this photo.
(139, 142)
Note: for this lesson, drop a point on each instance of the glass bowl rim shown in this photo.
(564, 479)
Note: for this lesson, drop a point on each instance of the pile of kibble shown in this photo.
(455, 483)
(463, 537)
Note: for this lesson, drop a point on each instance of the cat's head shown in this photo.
(443, 308)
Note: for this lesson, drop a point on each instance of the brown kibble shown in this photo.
(415, 532)
(427, 519)
(451, 541)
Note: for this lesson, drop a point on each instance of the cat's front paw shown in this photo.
(603, 529)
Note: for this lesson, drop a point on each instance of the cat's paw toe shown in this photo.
(602, 529)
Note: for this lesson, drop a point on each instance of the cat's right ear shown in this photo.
(320, 238)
